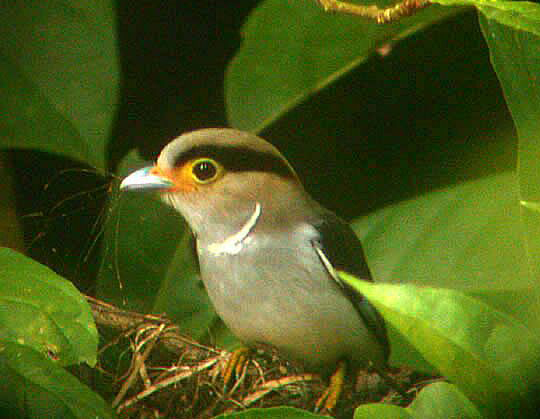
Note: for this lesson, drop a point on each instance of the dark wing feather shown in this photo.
(343, 251)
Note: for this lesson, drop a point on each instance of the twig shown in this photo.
(168, 381)
(272, 385)
(384, 15)
(138, 361)
(107, 315)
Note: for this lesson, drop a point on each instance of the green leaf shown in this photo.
(381, 411)
(292, 49)
(42, 310)
(535, 206)
(148, 264)
(466, 236)
(443, 400)
(182, 295)
(438, 400)
(519, 15)
(272, 413)
(468, 341)
(515, 55)
(34, 387)
(59, 72)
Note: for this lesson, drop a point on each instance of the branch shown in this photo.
(384, 15)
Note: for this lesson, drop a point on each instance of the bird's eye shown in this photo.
(205, 170)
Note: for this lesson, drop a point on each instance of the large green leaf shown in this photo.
(438, 400)
(466, 236)
(148, 264)
(34, 387)
(59, 77)
(292, 49)
(41, 310)
(442, 400)
(182, 295)
(381, 411)
(516, 15)
(513, 37)
(469, 342)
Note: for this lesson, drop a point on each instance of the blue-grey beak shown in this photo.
(142, 179)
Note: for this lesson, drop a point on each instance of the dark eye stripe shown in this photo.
(239, 159)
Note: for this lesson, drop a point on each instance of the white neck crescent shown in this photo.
(233, 244)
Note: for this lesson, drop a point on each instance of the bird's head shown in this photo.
(215, 178)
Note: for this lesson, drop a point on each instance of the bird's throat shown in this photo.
(233, 244)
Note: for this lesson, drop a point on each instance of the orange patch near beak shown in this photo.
(181, 177)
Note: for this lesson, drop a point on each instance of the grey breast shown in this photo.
(275, 290)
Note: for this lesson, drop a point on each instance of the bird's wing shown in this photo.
(340, 249)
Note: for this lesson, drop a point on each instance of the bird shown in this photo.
(268, 253)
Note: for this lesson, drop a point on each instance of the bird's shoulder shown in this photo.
(340, 249)
(340, 245)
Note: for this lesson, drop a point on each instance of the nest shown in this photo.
(157, 372)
